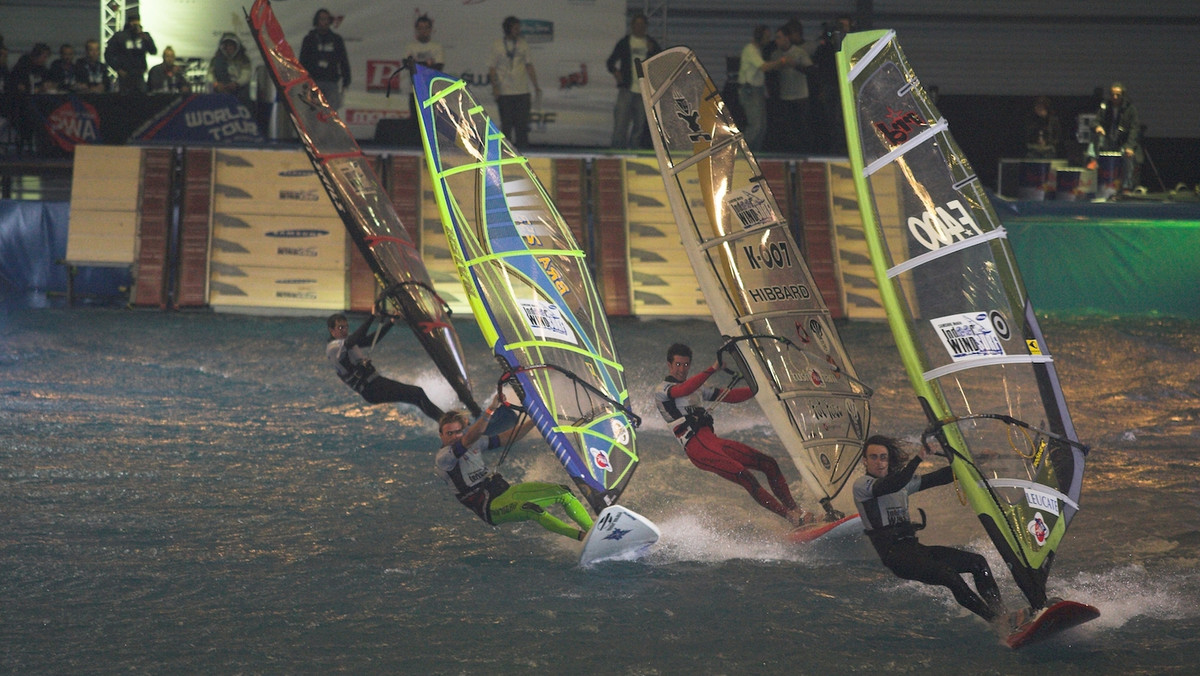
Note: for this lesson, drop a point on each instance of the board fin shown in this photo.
(619, 534)
(1054, 619)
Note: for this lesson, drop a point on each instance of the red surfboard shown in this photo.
(1054, 619)
(844, 526)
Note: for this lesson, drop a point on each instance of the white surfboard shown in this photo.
(619, 534)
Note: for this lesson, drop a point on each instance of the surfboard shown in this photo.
(1055, 619)
(619, 534)
(847, 526)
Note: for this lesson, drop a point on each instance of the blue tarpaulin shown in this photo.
(33, 242)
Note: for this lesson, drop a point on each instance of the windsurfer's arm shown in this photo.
(691, 384)
(738, 395)
(476, 429)
(359, 337)
(386, 321)
(897, 480)
(940, 477)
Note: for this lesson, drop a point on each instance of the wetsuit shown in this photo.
(495, 501)
(680, 405)
(356, 370)
(883, 505)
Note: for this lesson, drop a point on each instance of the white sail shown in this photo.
(754, 278)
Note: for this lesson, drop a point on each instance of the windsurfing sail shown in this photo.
(754, 278)
(959, 312)
(363, 204)
(528, 284)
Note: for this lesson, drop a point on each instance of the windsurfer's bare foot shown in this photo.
(800, 516)
(1014, 621)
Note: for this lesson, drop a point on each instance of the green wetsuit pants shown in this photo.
(528, 502)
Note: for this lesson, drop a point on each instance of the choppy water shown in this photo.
(197, 493)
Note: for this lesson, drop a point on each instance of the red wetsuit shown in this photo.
(679, 404)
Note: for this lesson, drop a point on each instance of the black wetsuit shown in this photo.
(883, 505)
(356, 370)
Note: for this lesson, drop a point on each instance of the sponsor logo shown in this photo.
(576, 79)
(545, 320)
(73, 123)
(537, 31)
(817, 329)
(620, 431)
(752, 207)
(899, 125)
(297, 233)
(538, 121)
(1000, 324)
(825, 410)
(616, 534)
(967, 336)
(300, 195)
(379, 72)
(474, 79)
(683, 110)
(1038, 528)
(855, 419)
(305, 251)
(765, 294)
(600, 459)
(221, 123)
(944, 225)
(609, 522)
(1039, 500)
(368, 117)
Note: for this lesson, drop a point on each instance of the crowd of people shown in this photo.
(785, 96)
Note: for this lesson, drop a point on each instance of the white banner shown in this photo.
(569, 42)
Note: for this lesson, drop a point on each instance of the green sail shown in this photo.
(959, 312)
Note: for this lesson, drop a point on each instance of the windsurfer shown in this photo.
(882, 499)
(346, 351)
(485, 492)
(678, 399)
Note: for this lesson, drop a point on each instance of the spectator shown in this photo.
(28, 77)
(168, 76)
(126, 52)
(91, 74)
(752, 92)
(229, 70)
(426, 52)
(830, 132)
(323, 55)
(62, 69)
(794, 124)
(629, 117)
(423, 49)
(511, 74)
(1043, 132)
(1119, 129)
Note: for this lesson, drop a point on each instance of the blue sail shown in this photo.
(530, 290)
